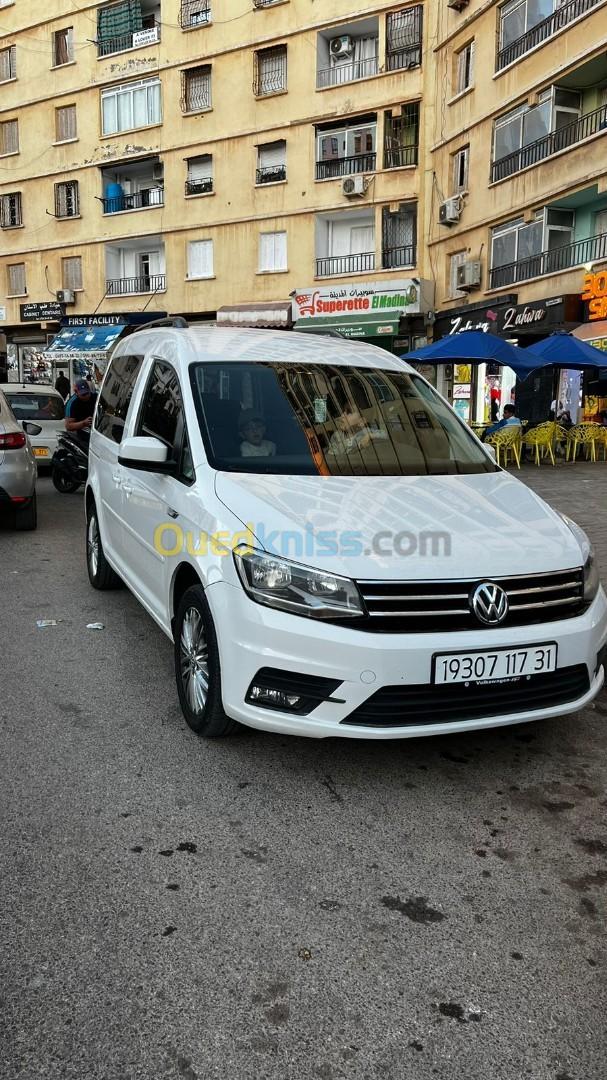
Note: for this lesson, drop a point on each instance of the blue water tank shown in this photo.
(114, 198)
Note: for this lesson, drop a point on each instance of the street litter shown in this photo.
(95, 626)
(41, 623)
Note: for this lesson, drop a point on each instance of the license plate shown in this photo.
(40, 451)
(495, 665)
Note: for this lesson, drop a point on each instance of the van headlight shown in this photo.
(592, 578)
(280, 583)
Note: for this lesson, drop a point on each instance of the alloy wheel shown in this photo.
(194, 657)
(92, 545)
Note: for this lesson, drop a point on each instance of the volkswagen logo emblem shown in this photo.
(489, 603)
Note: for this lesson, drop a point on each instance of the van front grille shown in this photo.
(450, 703)
(427, 606)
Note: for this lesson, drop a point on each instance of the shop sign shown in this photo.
(47, 311)
(484, 321)
(365, 298)
(595, 293)
(119, 318)
(554, 311)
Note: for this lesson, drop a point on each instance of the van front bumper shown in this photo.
(252, 637)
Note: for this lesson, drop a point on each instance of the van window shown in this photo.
(162, 408)
(115, 397)
(329, 419)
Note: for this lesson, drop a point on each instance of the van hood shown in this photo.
(403, 527)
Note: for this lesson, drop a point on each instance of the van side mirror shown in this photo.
(146, 453)
(31, 429)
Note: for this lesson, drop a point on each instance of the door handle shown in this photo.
(172, 513)
(127, 489)
(116, 477)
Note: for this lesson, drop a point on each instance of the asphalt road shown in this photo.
(275, 907)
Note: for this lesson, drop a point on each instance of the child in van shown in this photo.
(252, 428)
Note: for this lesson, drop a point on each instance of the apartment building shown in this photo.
(515, 113)
(251, 162)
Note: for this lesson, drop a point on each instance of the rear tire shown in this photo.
(197, 668)
(101, 574)
(62, 483)
(27, 519)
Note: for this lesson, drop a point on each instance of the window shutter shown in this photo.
(66, 123)
(273, 251)
(16, 279)
(272, 155)
(200, 258)
(71, 272)
(9, 137)
(199, 168)
(7, 63)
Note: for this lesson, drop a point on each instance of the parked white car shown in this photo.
(330, 548)
(43, 405)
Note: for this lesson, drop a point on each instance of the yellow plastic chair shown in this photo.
(586, 435)
(506, 441)
(541, 439)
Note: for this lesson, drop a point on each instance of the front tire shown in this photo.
(27, 519)
(197, 668)
(101, 575)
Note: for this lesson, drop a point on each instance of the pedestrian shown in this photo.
(62, 385)
(79, 411)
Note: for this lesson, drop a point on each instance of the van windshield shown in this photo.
(335, 421)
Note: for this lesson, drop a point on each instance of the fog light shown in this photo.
(274, 699)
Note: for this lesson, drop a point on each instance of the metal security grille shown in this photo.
(270, 71)
(401, 138)
(404, 38)
(196, 89)
(10, 210)
(66, 199)
(194, 13)
(398, 238)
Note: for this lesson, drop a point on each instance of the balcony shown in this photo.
(330, 265)
(346, 166)
(543, 30)
(568, 135)
(140, 200)
(202, 186)
(346, 73)
(393, 258)
(593, 249)
(399, 157)
(121, 27)
(130, 286)
(271, 174)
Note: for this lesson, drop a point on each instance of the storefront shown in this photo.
(594, 332)
(480, 391)
(27, 340)
(82, 347)
(389, 314)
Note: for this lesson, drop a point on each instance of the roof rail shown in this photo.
(170, 320)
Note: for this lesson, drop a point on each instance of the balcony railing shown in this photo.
(140, 200)
(345, 264)
(128, 286)
(550, 144)
(395, 257)
(132, 40)
(590, 250)
(271, 174)
(264, 3)
(399, 156)
(202, 186)
(543, 30)
(346, 73)
(360, 163)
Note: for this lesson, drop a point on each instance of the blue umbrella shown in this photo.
(565, 351)
(471, 346)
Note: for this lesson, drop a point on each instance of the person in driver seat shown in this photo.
(252, 428)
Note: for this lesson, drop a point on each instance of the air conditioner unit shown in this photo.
(449, 212)
(354, 186)
(65, 296)
(457, 5)
(158, 171)
(469, 275)
(342, 46)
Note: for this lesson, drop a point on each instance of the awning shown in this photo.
(350, 328)
(275, 314)
(80, 342)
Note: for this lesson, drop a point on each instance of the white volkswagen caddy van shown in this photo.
(330, 548)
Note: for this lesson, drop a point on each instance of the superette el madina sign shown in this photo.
(368, 298)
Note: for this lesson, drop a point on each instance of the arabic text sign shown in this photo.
(343, 301)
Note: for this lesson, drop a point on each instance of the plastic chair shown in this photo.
(541, 439)
(507, 440)
(586, 435)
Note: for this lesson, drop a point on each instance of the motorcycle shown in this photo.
(70, 463)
